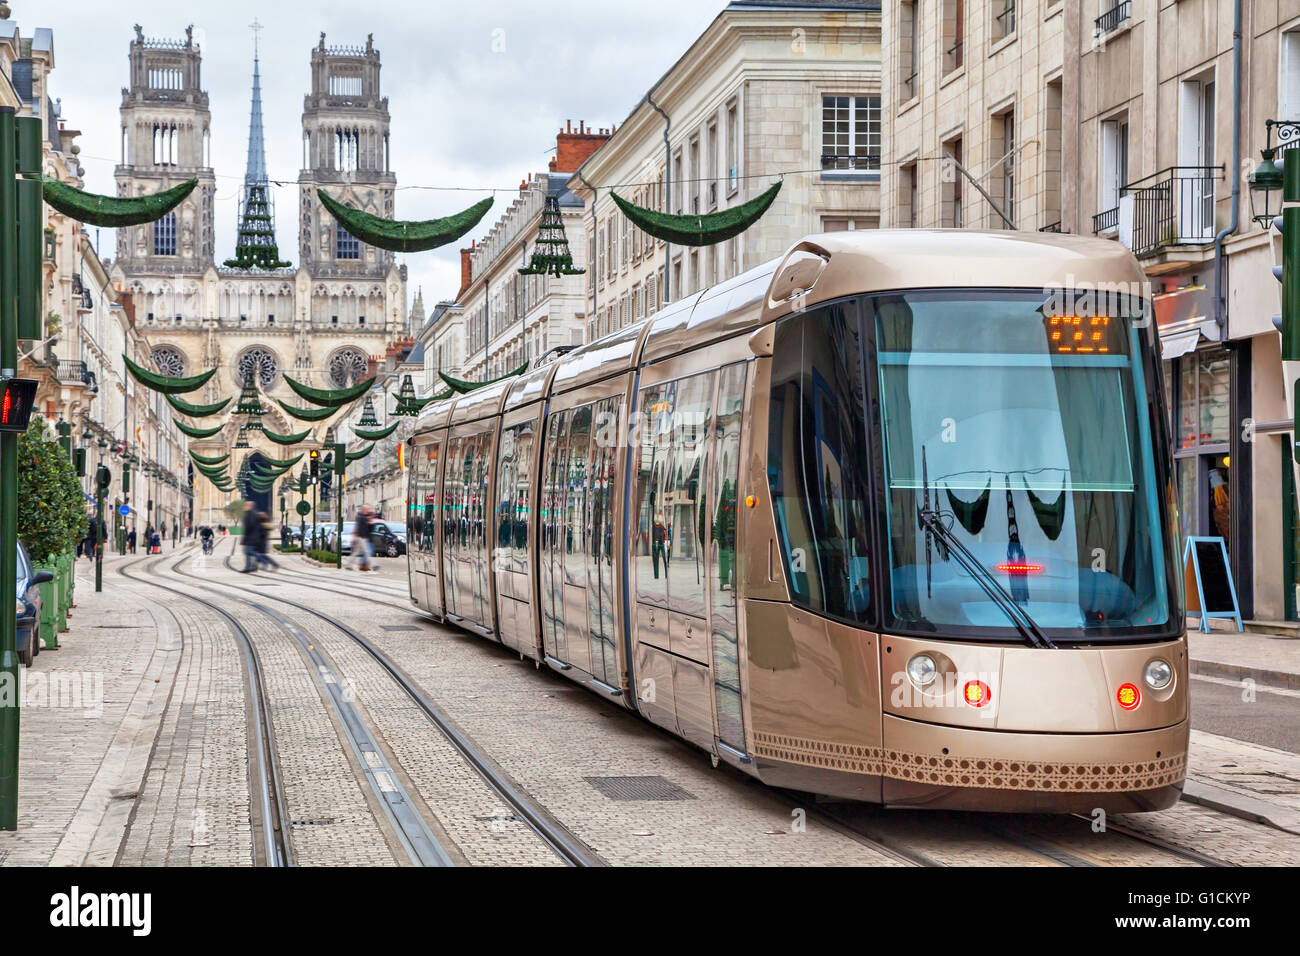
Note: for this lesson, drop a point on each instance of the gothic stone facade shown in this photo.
(321, 321)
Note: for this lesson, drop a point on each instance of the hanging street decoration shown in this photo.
(366, 434)
(461, 385)
(551, 253)
(195, 411)
(307, 414)
(250, 405)
(358, 455)
(242, 439)
(331, 398)
(291, 439)
(282, 463)
(112, 212)
(255, 246)
(698, 230)
(368, 419)
(165, 383)
(404, 236)
(207, 460)
(199, 433)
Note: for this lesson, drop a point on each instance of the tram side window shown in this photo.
(523, 483)
(654, 442)
(427, 462)
(575, 503)
(687, 520)
(505, 501)
(817, 461)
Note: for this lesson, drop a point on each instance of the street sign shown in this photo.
(1208, 580)
(124, 510)
(303, 508)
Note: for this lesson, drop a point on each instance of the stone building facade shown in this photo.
(320, 321)
(1151, 161)
(787, 91)
(972, 114)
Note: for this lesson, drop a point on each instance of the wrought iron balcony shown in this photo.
(69, 371)
(1107, 221)
(1174, 207)
(1112, 18)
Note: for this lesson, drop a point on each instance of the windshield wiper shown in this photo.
(932, 521)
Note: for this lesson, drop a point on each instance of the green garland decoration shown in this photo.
(290, 439)
(307, 414)
(462, 385)
(357, 456)
(207, 460)
(366, 434)
(166, 384)
(698, 230)
(113, 212)
(404, 235)
(199, 433)
(331, 398)
(195, 411)
(283, 464)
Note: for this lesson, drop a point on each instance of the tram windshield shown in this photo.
(1028, 435)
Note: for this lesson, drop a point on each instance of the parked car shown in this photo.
(389, 538)
(29, 607)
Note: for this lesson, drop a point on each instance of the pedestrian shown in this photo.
(249, 543)
(91, 531)
(131, 539)
(362, 529)
(262, 555)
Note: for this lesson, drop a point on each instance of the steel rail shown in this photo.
(555, 834)
(263, 769)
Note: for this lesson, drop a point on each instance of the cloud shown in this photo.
(476, 92)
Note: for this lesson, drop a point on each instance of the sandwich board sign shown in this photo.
(1208, 580)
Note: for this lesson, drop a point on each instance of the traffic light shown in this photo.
(79, 461)
(1288, 273)
(340, 459)
(16, 403)
(126, 479)
(103, 478)
(314, 457)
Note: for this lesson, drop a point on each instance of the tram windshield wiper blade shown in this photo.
(1021, 618)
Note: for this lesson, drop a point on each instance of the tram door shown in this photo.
(465, 517)
(422, 526)
(510, 547)
(550, 553)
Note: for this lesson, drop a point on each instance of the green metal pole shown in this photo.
(9, 702)
(99, 536)
(315, 511)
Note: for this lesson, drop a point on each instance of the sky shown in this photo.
(476, 92)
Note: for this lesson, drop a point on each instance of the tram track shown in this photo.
(263, 768)
(552, 832)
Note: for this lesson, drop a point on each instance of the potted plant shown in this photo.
(50, 516)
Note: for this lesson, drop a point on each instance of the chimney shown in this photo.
(572, 147)
(466, 270)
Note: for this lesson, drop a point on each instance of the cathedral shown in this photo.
(320, 320)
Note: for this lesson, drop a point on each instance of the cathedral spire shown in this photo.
(255, 246)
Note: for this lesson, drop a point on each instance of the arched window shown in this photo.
(347, 367)
(168, 361)
(262, 362)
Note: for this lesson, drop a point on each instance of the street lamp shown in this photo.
(1265, 181)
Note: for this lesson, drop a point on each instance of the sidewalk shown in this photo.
(1272, 659)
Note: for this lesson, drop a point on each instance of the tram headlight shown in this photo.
(1158, 674)
(922, 670)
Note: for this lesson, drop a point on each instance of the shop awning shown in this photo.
(1178, 343)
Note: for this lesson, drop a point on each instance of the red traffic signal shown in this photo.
(16, 403)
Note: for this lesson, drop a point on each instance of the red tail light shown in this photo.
(1018, 567)
(976, 693)
(1128, 696)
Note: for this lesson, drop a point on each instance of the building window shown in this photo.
(908, 16)
(1052, 159)
(347, 245)
(1004, 19)
(1002, 147)
(165, 152)
(164, 235)
(908, 211)
(950, 215)
(1114, 162)
(1288, 105)
(831, 224)
(954, 34)
(733, 147)
(850, 135)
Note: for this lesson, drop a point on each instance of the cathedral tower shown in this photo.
(345, 151)
(165, 140)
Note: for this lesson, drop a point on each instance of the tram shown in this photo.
(890, 518)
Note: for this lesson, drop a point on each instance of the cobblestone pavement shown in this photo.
(155, 770)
